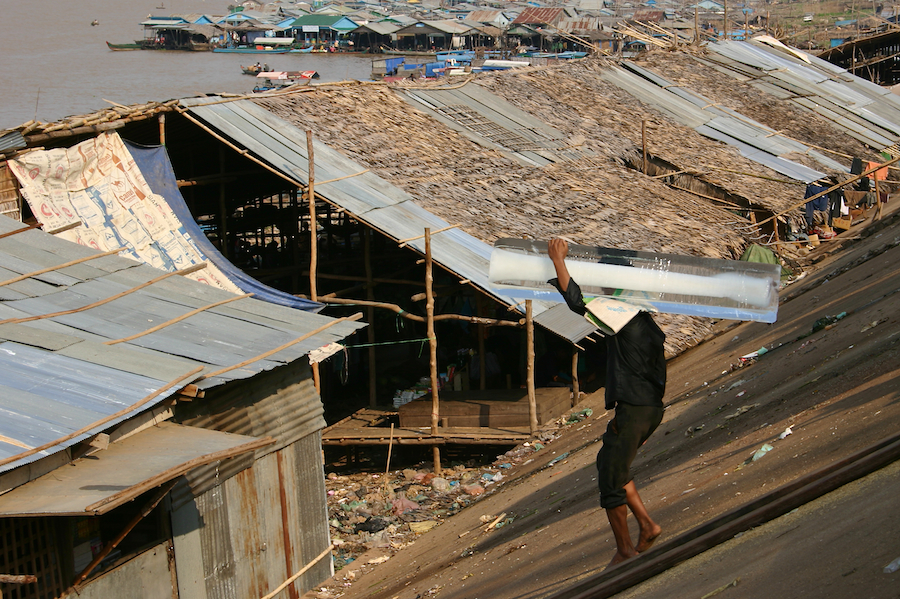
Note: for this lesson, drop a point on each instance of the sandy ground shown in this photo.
(837, 390)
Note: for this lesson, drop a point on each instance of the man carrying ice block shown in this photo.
(635, 384)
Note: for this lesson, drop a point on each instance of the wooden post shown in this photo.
(696, 28)
(644, 144)
(162, 128)
(877, 196)
(479, 305)
(313, 242)
(575, 386)
(370, 317)
(223, 213)
(432, 343)
(725, 19)
(529, 341)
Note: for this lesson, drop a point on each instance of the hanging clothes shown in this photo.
(879, 175)
(820, 203)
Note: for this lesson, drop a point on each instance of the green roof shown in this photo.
(332, 21)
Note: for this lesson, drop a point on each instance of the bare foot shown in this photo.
(648, 536)
(618, 558)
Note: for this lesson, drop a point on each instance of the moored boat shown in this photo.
(120, 47)
(252, 50)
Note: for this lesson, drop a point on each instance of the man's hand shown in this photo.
(557, 249)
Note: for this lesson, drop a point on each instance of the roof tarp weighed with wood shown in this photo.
(105, 194)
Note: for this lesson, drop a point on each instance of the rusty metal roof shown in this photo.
(539, 16)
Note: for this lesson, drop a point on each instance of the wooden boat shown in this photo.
(120, 47)
(254, 69)
(275, 80)
(252, 50)
(305, 50)
(385, 50)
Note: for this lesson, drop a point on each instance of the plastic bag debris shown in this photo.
(786, 432)
(766, 448)
(741, 410)
(826, 322)
(892, 567)
(754, 354)
(424, 526)
(402, 504)
(579, 416)
(558, 459)
(473, 490)
(693, 429)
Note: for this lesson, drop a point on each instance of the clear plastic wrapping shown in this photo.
(671, 283)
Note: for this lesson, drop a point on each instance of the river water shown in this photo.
(54, 63)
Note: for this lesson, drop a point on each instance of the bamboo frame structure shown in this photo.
(432, 344)
(313, 243)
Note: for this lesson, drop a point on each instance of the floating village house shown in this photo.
(500, 156)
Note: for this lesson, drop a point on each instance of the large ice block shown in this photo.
(731, 289)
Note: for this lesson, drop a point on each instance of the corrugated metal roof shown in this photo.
(539, 16)
(866, 111)
(12, 140)
(120, 473)
(366, 196)
(720, 123)
(476, 111)
(60, 375)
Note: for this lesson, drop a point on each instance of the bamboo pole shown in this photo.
(370, 317)
(272, 352)
(106, 300)
(877, 198)
(242, 151)
(154, 501)
(529, 339)
(177, 319)
(575, 386)
(162, 128)
(432, 343)
(403, 242)
(644, 145)
(696, 28)
(313, 242)
(299, 573)
(58, 266)
(482, 383)
(415, 317)
(22, 230)
(725, 19)
(94, 425)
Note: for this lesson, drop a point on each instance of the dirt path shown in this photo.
(835, 388)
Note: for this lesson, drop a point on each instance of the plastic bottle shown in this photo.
(671, 283)
(892, 567)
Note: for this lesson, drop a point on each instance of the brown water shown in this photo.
(54, 64)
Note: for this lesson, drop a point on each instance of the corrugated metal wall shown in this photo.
(260, 518)
(282, 403)
(245, 550)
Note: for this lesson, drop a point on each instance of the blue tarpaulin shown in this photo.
(154, 164)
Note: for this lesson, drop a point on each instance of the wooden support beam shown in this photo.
(529, 338)
(432, 344)
(313, 242)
